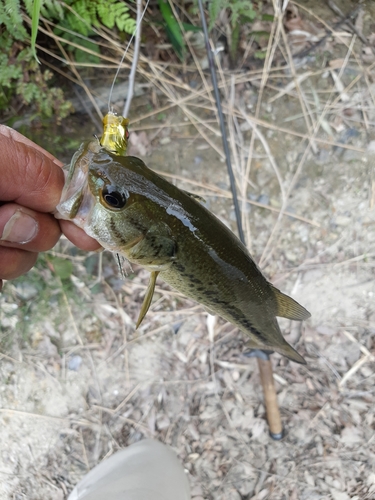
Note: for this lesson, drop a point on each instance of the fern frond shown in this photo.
(50, 9)
(236, 8)
(83, 16)
(214, 10)
(113, 13)
(128, 25)
(241, 8)
(10, 16)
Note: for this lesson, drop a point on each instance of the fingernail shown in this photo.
(20, 228)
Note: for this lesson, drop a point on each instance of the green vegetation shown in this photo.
(22, 81)
(174, 29)
(240, 12)
(50, 29)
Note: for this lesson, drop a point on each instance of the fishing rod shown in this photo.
(263, 357)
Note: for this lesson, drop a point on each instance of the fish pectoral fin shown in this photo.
(155, 248)
(195, 196)
(288, 307)
(148, 298)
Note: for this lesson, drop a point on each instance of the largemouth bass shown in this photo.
(131, 210)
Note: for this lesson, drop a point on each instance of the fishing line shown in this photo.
(124, 54)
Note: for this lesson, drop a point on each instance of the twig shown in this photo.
(357, 365)
(313, 137)
(125, 320)
(292, 69)
(74, 70)
(362, 348)
(206, 86)
(347, 19)
(270, 156)
(264, 78)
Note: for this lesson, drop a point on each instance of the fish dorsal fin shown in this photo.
(288, 307)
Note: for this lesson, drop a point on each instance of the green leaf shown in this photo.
(173, 29)
(34, 27)
(191, 27)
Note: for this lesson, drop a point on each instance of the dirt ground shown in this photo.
(78, 383)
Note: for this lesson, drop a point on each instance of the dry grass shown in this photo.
(85, 384)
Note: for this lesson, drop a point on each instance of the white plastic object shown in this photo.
(147, 470)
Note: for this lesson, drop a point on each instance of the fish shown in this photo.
(131, 210)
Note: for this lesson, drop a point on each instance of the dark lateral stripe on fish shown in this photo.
(138, 225)
(115, 231)
(210, 294)
(180, 267)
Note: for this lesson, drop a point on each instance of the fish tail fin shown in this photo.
(291, 353)
(282, 347)
(288, 307)
(274, 341)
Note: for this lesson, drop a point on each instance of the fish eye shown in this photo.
(113, 199)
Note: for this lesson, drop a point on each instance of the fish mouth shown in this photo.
(77, 201)
(76, 207)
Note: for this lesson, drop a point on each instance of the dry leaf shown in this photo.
(351, 436)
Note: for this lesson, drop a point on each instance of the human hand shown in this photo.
(31, 181)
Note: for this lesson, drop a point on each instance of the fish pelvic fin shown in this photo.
(288, 307)
(148, 298)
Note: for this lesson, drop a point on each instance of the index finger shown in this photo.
(30, 176)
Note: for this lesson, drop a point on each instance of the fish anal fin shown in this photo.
(148, 298)
(288, 307)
